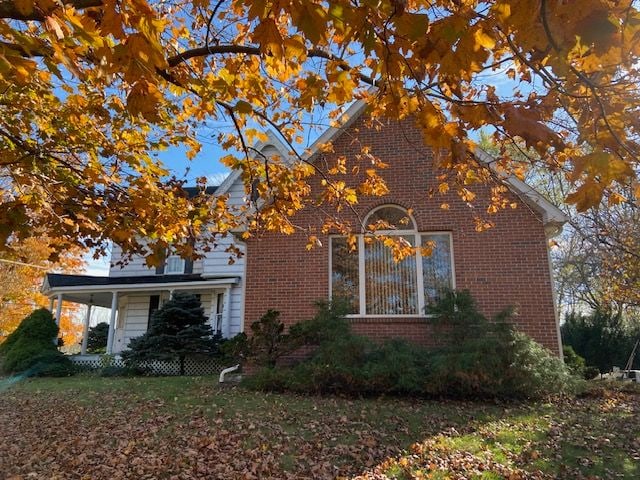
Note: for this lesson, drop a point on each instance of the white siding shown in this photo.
(135, 267)
(134, 312)
(215, 263)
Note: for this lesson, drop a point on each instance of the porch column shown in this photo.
(112, 322)
(59, 309)
(51, 304)
(85, 331)
(226, 313)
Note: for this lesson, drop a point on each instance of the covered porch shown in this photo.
(133, 299)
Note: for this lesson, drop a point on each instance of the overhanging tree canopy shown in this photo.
(89, 88)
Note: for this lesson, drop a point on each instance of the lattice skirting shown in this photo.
(193, 366)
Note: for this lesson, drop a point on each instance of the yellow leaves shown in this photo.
(483, 40)
(597, 170)
(412, 25)
(349, 195)
(268, 36)
(16, 67)
(373, 185)
(338, 193)
(466, 195)
(471, 177)
(311, 19)
(605, 166)
(312, 242)
(482, 224)
(295, 48)
(502, 10)
(341, 84)
(587, 195)
(616, 199)
(340, 166)
(144, 99)
(434, 68)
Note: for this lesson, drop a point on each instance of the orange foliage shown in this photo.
(91, 88)
(20, 284)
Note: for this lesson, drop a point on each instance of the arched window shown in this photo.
(374, 284)
(392, 217)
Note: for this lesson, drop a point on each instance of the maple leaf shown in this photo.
(93, 88)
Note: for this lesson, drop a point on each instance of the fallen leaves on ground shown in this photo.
(183, 428)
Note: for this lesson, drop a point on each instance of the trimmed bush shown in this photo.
(573, 361)
(30, 348)
(591, 372)
(53, 365)
(235, 349)
(489, 358)
(269, 342)
(481, 358)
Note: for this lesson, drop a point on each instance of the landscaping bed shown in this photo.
(188, 427)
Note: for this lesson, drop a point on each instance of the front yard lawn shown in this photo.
(187, 428)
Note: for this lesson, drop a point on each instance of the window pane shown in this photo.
(344, 274)
(391, 287)
(393, 216)
(175, 264)
(436, 268)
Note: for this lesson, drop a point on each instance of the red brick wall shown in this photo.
(505, 265)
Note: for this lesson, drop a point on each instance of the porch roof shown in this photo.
(82, 288)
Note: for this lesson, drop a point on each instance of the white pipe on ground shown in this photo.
(227, 370)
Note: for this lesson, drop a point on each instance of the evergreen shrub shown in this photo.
(30, 348)
(178, 330)
(479, 358)
(97, 338)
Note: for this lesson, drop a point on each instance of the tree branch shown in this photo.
(253, 50)
(8, 9)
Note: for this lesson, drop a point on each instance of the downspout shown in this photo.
(227, 370)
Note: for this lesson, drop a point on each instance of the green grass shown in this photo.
(122, 426)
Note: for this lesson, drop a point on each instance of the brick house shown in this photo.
(502, 266)
(505, 265)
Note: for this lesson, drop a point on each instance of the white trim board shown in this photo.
(136, 287)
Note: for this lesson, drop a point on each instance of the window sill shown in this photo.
(388, 318)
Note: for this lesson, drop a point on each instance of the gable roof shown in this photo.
(272, 140)
(193, 191)
(553, 218)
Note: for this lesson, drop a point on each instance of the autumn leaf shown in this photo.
(144, 99)
(95, 92)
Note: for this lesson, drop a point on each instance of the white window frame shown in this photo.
(166, 265)
(419, 274)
